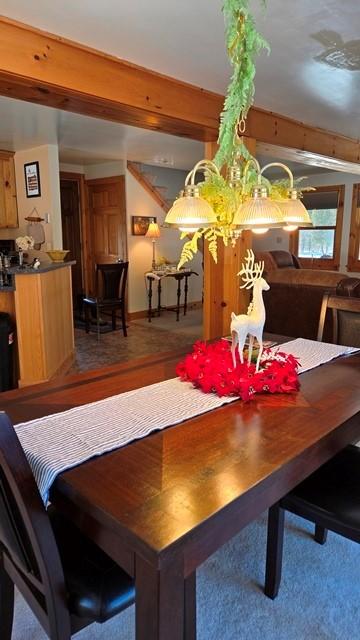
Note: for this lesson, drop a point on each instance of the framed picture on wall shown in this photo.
(139, 224)
(32, 179)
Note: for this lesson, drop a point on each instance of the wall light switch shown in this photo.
(278, 240)
(47, 218)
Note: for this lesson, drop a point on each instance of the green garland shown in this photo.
(244, 43)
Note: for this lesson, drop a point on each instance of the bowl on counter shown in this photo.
(58, 255)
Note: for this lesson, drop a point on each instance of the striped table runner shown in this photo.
(63, 440)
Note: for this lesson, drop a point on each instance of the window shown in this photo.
(354, 239)
(319, 245)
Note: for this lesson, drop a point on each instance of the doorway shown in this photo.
(71, 206)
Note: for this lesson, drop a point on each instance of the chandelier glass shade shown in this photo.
(259, 212)
(190, 211)
(294, 212)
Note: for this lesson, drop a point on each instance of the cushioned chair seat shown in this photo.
(102, 301)
(332, 491)
(97, 588)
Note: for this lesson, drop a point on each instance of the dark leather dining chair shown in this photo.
(112, 287)
(330, 497)
(345, 319)
(67, 581)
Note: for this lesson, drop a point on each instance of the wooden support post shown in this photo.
(222, 293)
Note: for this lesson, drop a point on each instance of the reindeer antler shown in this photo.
(251, 271)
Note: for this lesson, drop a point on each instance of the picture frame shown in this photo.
(140, 224)
(32, 179)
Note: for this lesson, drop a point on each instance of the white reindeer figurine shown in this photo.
(253, 322)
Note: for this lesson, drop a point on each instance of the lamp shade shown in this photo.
(258, 212)
(295, 213)
(191, 212)
(153, 230)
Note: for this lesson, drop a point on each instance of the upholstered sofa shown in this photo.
(294, 299)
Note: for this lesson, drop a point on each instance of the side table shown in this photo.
(152, 276)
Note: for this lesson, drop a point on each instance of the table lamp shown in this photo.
(153, 232)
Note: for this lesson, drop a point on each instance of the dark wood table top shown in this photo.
(173, 487)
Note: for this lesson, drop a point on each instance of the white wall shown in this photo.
(99, 170)
(139, 202)
(279, 239)
(104, 170)
(47, 203)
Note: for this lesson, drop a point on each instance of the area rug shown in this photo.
(318, 599)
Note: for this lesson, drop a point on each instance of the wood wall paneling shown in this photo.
(354, 237)
(8, 202)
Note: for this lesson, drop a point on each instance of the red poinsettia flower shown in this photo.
(210, 368)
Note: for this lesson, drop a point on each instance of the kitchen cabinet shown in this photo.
(8, 202)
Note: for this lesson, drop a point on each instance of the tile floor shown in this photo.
(144, 338)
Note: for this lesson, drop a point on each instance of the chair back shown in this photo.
(113, 280)
(28, 548)
(346, 319)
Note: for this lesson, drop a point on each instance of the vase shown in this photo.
(21, 259)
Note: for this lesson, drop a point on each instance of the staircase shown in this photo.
(147, 181)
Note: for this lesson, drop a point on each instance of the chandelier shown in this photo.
(240, 197)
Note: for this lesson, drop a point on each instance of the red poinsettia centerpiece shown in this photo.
(209, 367)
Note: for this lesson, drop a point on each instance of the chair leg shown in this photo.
(320, 534)
(98, 322)
(274, 550)
(123, 320)
(87, 319)
(113, 319)
(190, 607)
(6, 604)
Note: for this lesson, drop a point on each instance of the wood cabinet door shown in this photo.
(8, 203)
(107, 213)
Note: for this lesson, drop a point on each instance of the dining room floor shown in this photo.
(163, 333)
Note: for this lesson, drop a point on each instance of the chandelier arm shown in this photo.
(283, 166)
(201, 165)
(251, 161)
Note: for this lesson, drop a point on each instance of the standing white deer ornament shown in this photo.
(251, 323)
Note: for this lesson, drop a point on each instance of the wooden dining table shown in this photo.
(162, 505)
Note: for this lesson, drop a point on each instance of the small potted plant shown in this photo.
(23, 243)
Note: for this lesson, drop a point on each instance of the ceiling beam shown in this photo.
(50, 70)
(274, 129)
(44, 68)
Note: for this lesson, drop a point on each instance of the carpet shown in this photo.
(318, 599)
(189, 325)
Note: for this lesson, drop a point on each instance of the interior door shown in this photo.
(71, 230)
(107, 214)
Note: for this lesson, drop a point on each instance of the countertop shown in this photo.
(44, 267)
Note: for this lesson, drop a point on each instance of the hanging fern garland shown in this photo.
(244, 43)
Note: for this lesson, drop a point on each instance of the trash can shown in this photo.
(6, 352)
